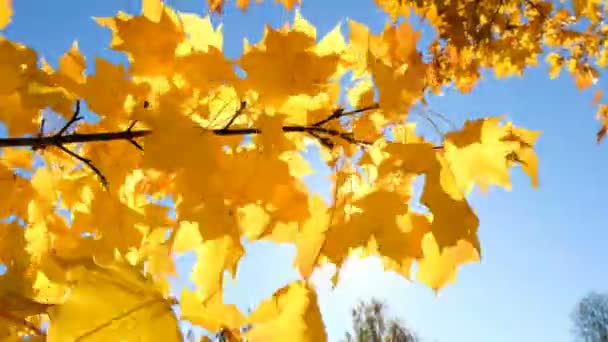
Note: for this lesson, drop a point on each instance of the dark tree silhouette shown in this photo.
(370, 324)
(590, 318)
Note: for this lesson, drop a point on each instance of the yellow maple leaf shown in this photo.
(213, 258)
(201, 35)
(17, 158)
(6, 12)
(211, 314)
(292, 313)
(361, 94)
(524, 154)
(205, 70)
(477, 154)
(481, 153)
(438, 268)
(152, 9)
(296, 69)
(150, 45)
(109, 302)
(253, 221)
(12, 245)
(579, 6)
(597, 96)
(311, 237)
(440, 192)
(272, 139)
(107, 91)
(397, 89)
(394, 8)
(72, 65)
(187, 238)
(116, 229)
(555, 62)
(17, 192)
(602, 116)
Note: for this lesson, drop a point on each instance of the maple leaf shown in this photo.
(107, 91)
(150, 55)
(118, 229)
(213, 258)
(478, 154)
(296, 68)
(17, 190)
(200, 34)
(291, 313)
(6, 12)
(440, 192)
(393, 8)
(112, 301)
(211, 314)
(602, 115)
(311, 237)
(17, 158)
(152, 9)
(205, 70)
(438, 268)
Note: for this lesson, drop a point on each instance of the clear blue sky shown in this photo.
(542, 250)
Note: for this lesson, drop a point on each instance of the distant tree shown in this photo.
(590, 318)
(370, 324)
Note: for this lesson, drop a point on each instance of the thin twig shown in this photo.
(87, 162)
(339, 113)
(325, 141)
(75, 117)
(132, 141)
(236, 114)
(40, 134)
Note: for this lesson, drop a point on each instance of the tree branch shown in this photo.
(338, 113)
(61, 138)
(40, 141)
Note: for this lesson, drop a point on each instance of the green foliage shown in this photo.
(371, 324)
(590, 318)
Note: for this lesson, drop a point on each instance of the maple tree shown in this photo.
(87, 242)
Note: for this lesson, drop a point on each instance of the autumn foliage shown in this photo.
(87, 239)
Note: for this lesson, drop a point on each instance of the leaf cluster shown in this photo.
(88, 240)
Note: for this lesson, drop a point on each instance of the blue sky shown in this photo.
(542, 249)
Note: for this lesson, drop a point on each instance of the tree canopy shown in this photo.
(371, 324)
(590, 318)
(87, 238)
